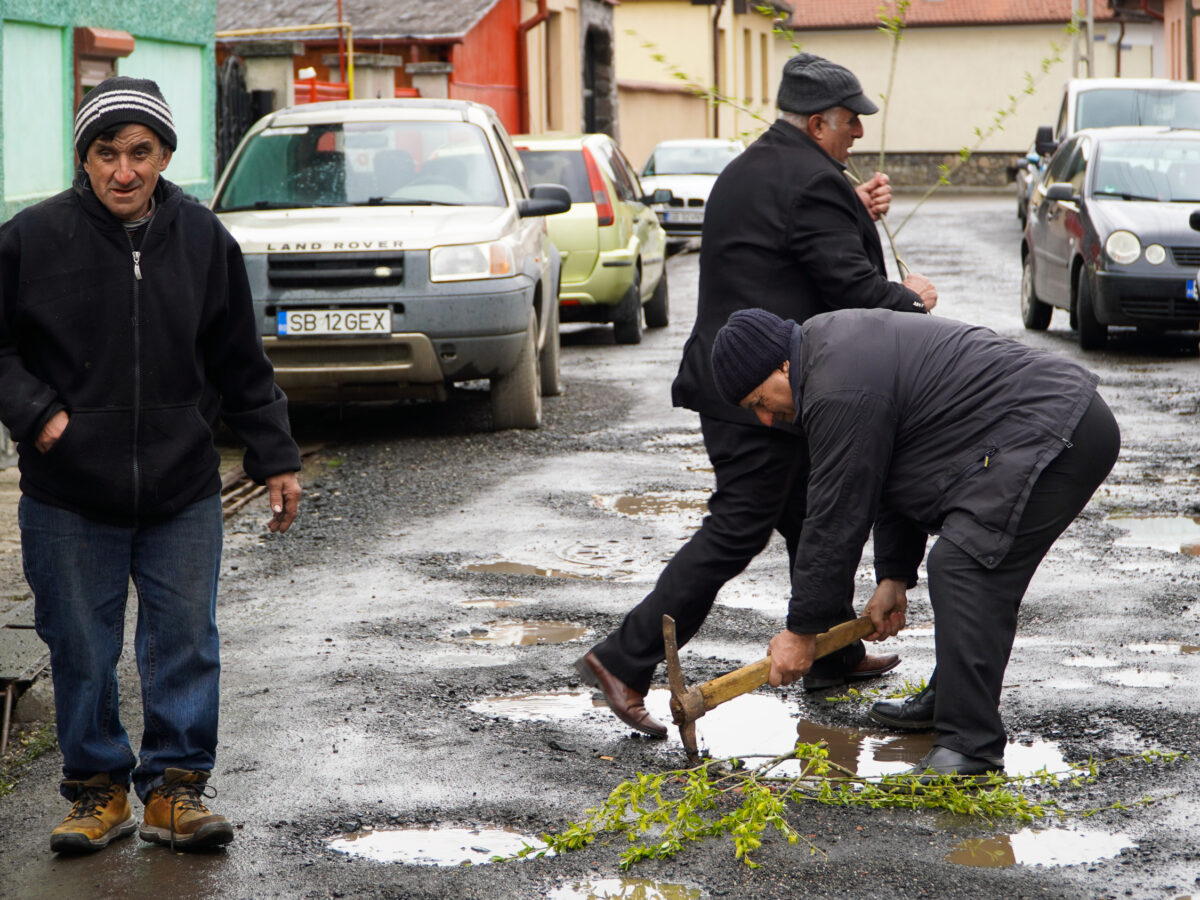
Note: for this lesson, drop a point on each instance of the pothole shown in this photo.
(1166, 648)
(433, 846)
(691, 506)
(625, 889)
(1091, 662)
(537, 707)
(1044, 847)
(493, 602)
(506, 567)
(520, 633)
(1174, 534)
(1138, 678)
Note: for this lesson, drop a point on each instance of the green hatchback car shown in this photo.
(613, 248)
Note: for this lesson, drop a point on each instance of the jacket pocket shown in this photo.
(175, 454)
(90, 466)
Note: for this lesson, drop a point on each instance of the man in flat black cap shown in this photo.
(923, 426)
(784, 230)
(126, 331)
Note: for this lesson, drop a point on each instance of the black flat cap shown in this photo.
(811, 83)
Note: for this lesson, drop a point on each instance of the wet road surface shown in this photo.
(401, 661)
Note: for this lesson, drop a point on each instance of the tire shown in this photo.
(548, 359)
(627, 317)
(1034, 313)
(658, 309)
(516, 396)
(1093, 334)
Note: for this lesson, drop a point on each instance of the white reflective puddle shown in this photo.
(519, 633)
(1174, 534)
(543, 707)
(625, 889)
(1139, 678)
(433, 846)
(1045, 847)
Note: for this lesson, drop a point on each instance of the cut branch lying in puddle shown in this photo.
(660, 814)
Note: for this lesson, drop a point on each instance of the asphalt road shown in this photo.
(376, 683)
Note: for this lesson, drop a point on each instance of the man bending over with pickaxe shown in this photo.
(924, 426)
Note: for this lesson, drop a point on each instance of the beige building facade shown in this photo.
(667, 50)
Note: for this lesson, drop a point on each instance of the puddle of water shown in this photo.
(618, 561)
(1174, 534)
(1091, 662)
(1138, 678)
(461, 661)
(492, 602)
(626, 889)
(432, 846)
(1167, 648)
(524, 634)
(545, 707)
(761, 726)
(504, 567)
(1047, 847)
(691, 504)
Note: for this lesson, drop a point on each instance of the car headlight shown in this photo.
(1156, 254)
(1123, 247)
(466, 262)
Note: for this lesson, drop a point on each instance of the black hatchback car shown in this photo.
(1108, 235)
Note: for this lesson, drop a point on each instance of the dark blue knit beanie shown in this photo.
(751, 345)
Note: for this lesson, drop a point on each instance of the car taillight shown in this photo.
(604, 210)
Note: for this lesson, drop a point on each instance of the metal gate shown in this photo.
(237, 108)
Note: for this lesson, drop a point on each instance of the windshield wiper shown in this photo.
(390, 201)
(1123, 195)
(274, 204)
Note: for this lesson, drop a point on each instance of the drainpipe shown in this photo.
(341, 46)
(523, 64)
(716, 48)
(1120, 41)
(1152, 13)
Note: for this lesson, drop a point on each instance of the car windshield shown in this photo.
(364, 164)
(1137, 106)
(686, 160)
(565, 167)
(1148, 169)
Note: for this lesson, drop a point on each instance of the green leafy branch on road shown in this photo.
(660, 815)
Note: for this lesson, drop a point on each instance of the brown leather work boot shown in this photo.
(99, 815)
(176, 814)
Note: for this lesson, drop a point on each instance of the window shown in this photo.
(37, 136)
(179, 71)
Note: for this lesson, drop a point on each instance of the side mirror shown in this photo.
(1045, 144)
(545, 200)
(660, 197)
(1062, 191)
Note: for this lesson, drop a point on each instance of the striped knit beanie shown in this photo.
(750, 346)
(120, 101)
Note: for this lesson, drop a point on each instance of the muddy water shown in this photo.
(543, 707)
(1166, 648)
(525, 634)
(625, 889)
(433, 846)
(690, 505)
(1044, 847)
(505, 567)
(493, 602)
(1174, 534)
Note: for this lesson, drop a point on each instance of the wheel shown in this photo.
(548, 359)
(516, 398)
(627, 317)
(1034, 313)
(1093, 334)
(658, 309)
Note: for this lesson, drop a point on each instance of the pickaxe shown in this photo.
(689, 704)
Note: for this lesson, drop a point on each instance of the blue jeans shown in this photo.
(79, 572)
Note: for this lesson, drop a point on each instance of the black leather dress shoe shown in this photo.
(913, 713)
(943, 761)
(868, 667)
(628, 704)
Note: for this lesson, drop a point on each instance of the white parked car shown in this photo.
(687, 168)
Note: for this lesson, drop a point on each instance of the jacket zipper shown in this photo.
(988, 455)
(137, 374)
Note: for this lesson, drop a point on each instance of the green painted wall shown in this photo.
(174, 45)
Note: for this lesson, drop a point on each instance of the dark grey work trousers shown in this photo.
(975, 608)
(762, 480)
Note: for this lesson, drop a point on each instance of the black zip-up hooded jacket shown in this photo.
(144, 352)
(783, 231)
(920, 425)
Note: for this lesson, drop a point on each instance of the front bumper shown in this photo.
(1161, 302)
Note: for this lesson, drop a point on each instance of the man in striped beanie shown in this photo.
(126, 330)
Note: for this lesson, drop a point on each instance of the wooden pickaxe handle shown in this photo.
(700, 699)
